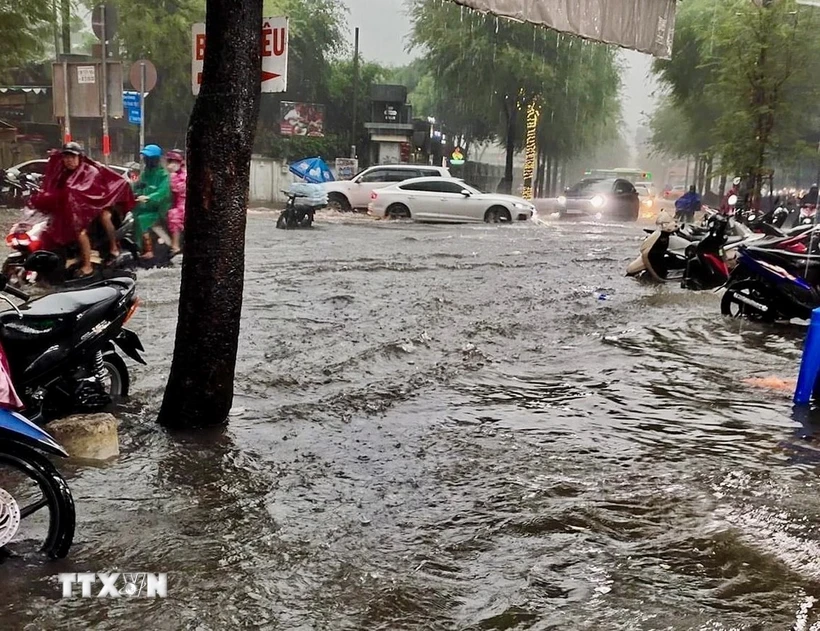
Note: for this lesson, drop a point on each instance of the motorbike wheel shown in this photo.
(285, 220)
(733, 307)
(28, 484)
(118, 381)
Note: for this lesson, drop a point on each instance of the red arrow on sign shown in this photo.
(267, 76)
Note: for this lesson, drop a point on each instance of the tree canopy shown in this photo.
(481, 71)
(741, 84)
(26, 31)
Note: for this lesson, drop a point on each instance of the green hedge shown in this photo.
(290, 148)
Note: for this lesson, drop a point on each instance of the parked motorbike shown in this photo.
(669, 251)
(29, 483)
(706, 266)
(62, 348)
(295, 215)
(773, 283)
(16, 188)
(312, 197)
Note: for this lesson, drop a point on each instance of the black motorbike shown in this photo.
(771, 284)
(706, 265)
(296, 215)
(62, 348)
(17, 188)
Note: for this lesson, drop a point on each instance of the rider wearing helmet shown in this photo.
(154, 190)
(175, 162)
(76, 191)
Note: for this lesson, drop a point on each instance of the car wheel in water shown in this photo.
(742, 299)
(338, 203)
(397, 211)
(497, 214)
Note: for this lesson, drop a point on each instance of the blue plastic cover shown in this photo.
(314, 194)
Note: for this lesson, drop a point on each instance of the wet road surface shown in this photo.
(443, 427)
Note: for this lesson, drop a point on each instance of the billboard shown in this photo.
(302, 119)
(644, 25)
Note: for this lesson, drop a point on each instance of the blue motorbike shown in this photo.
(36, 506)
(771, 284)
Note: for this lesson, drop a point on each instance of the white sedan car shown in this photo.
(446, 199)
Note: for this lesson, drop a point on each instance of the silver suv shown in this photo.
(354, 194)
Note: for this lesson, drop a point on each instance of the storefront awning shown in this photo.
(644, 25)
(28, 89)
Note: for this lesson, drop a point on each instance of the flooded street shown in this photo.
(444, 427)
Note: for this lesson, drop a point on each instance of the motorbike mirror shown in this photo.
(732, 200)
(42, 262)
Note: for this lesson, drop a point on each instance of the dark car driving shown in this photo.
(601, 198)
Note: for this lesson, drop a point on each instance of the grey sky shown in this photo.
(384, 26)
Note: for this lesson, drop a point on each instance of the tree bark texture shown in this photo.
(510, 112)
(220, 140)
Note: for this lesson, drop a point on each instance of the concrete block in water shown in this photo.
(87, 436)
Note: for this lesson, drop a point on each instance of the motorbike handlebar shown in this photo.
(11, 290)
(16, 293)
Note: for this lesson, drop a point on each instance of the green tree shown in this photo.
(26, 30)
(160, 31)
(490, 66)
(744, 75)
(481, 72)
(220, 138)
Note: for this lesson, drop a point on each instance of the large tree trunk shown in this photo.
(510, 111)
(548, 176)
(220, 140)
(539, 177)
(709, 168)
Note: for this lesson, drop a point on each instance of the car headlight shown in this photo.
(597, 201)
(521, 206)
(562, 200)
(647, 202)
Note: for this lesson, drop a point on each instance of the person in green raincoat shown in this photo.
(154, 197)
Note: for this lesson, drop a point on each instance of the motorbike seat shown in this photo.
(50, 317)
(70, 303)
(790, 260)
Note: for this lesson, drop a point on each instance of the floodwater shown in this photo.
(444, 427)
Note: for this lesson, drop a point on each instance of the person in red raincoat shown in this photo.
(76, 191)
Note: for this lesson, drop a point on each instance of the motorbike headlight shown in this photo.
(562, 200)
(597, 201)
(599, 216)
(732, 200)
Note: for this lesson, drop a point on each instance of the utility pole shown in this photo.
(355, 93)
(142, 105)
(106, 138)
(56, 28)
(65, 9)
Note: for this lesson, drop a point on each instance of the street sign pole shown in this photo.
(106, 139)
(142, 105)
(67, 118)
